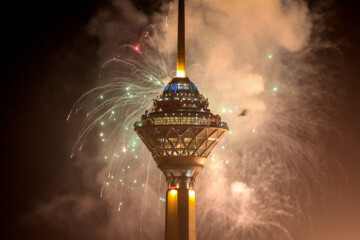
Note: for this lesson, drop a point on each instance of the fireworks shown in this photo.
(261, 180)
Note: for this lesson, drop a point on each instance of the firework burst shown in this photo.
(261, 181)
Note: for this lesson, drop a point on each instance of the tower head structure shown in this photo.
(180, 132)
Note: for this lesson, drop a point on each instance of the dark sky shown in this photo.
(48, 60)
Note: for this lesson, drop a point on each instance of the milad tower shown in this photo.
(180, 132)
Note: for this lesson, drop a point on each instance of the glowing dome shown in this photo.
(181, 86)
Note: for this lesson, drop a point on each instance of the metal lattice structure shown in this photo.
(191, 141)
(179, 149)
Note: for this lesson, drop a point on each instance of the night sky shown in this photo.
(49, 60)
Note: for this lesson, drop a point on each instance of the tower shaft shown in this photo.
(180, 212)
(181, 41)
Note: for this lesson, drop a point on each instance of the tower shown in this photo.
(180, 132)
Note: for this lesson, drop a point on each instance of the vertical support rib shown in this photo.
(192, 218)
(181, 41)
(172, 216)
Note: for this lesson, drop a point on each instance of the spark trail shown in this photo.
(261, 182)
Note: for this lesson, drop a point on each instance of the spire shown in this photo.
(180, 71)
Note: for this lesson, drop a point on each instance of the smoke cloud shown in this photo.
(254, 58)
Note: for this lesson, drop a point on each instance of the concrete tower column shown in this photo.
(180, 221)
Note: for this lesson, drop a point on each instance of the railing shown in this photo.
(201, 122)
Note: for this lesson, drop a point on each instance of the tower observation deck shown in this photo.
(180, 132)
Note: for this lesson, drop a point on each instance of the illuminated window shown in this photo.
(180, 145)
(183, 86)
(187, 140)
